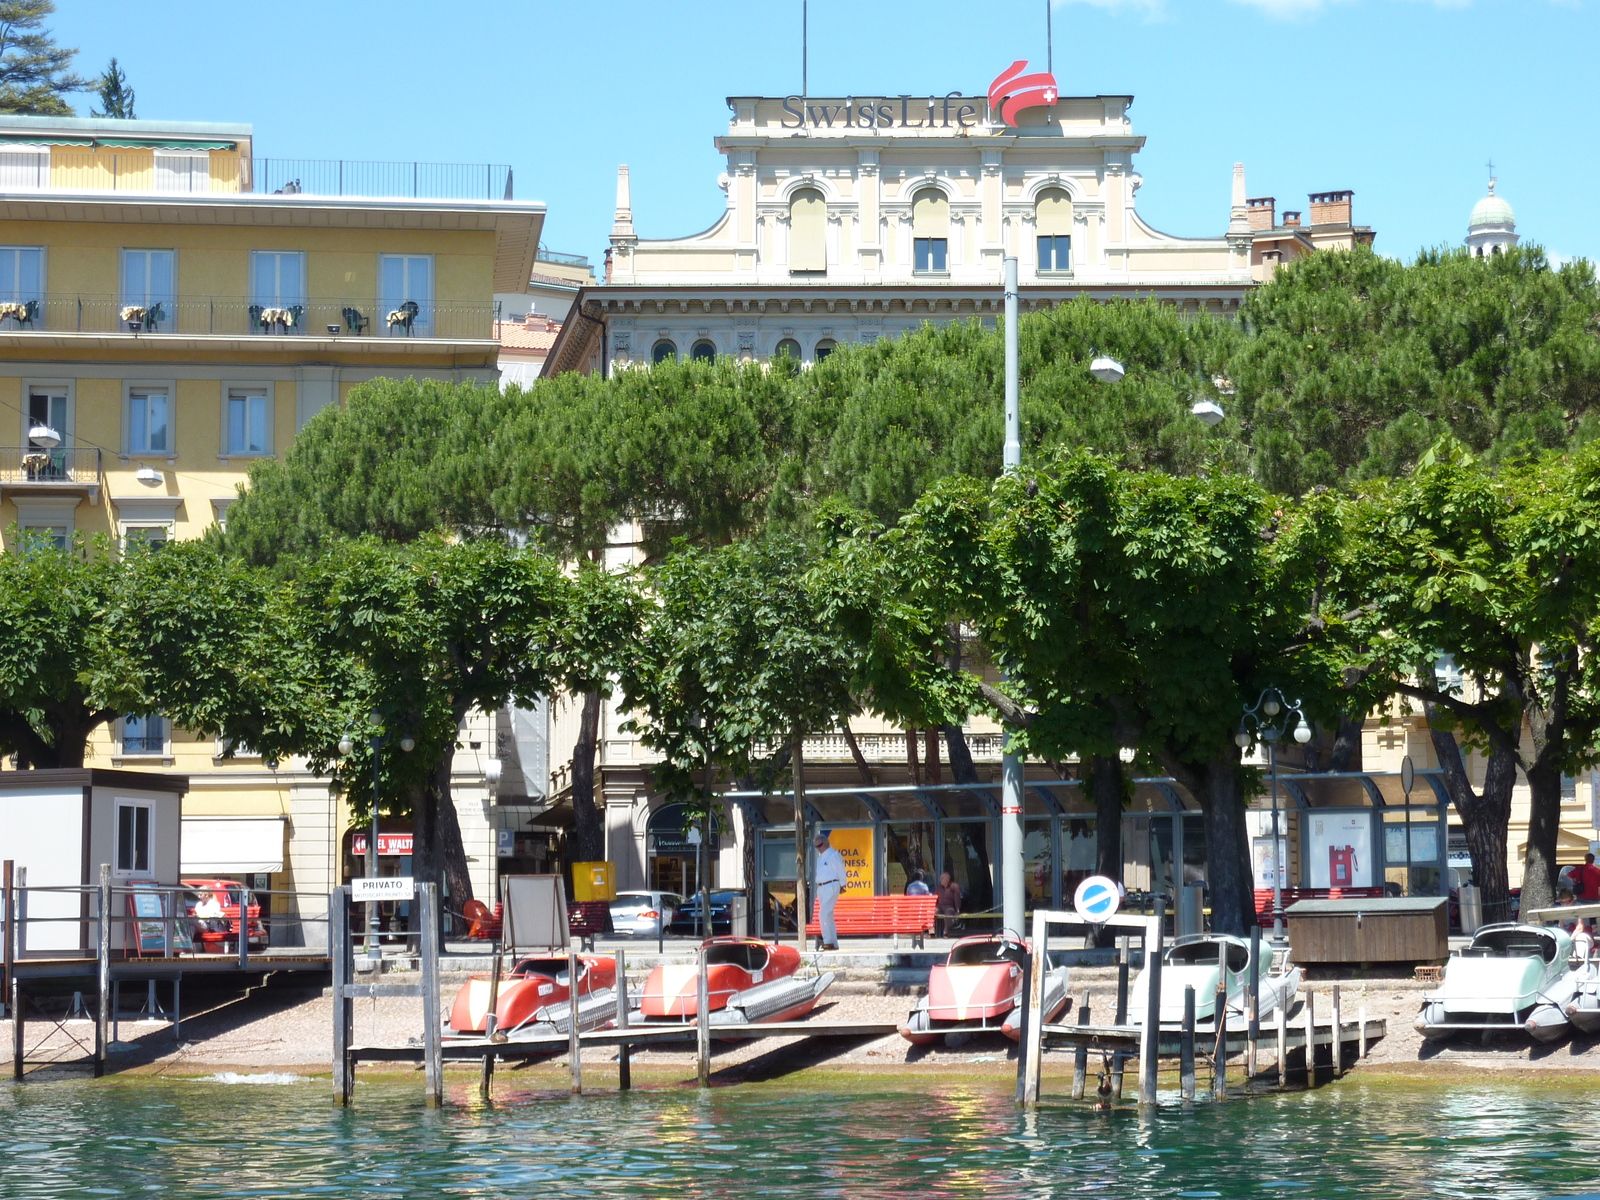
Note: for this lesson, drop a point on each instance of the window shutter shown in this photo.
(808, 231)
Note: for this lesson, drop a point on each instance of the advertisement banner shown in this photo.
(1341, 850)
(856, 847)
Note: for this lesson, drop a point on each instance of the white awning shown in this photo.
(231, 845)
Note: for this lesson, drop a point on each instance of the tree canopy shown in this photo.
(35, 73)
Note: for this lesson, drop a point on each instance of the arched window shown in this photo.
(788, 346)
(930, 230)
(808, 231)
(703, 351)
(663, 350)
(1052, 216)
(824, 348)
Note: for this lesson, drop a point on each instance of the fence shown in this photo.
(350, 316)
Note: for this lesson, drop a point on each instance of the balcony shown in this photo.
(223, 173)
(68, 470)
(230, 316)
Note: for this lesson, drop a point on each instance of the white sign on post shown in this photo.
(392, 887)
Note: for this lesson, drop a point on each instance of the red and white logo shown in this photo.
(1016, 89)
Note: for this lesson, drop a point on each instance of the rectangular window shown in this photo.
(21, 286)
(133, 839)
(277, 281)
(145, 535)
(56, 537)
(930, 253)
(183, 171)
(149, 421)
(24, 168)
(1055, 253)
(405, 294)
(144, 735)
(148, 295)
(249, 421)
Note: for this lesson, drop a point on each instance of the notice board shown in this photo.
(856, 846)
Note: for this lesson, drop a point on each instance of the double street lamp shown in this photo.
(1267, 720)
(347, 747)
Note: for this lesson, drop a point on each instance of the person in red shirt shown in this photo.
(1586, 881)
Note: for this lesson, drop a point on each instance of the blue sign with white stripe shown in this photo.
(1097, 898)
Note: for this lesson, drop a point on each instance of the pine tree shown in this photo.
(34, 72)
(115, 95)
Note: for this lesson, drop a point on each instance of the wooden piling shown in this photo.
(1283, 1044)
(432, 1032)
(1080, 1056)
(574, 1047)
(1149, 1047)
(624, 1055)
(702, 1021)
(1118, 1058)
(1031, 1064)
(1361, 1033)
(102, 1018)
(342, 953)
(1338, 1036)
(1253, 1010)
(1219, 1055)
(1311, 1039)
(1186, 1047)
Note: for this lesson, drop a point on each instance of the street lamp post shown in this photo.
(1268, 720)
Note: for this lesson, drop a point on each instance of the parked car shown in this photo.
(644, 914)
(687, 919)
(213, 906)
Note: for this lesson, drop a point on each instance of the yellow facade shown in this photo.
(161, 419)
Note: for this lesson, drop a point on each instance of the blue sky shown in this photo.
(1402, 100)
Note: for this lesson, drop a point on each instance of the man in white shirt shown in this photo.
(830, 882)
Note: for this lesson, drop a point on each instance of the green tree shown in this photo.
(116, 97)
(35, 73)
(1498, 568)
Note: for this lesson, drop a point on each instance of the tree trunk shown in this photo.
(588, 834)
(1215, 786)
(962, 768)
(1105, 784)
(438, 854)
(1345, 753)
(1485, 817)
(912, 769)
(1544, 827)
(856, 756)
(931, 755)
(70, 726)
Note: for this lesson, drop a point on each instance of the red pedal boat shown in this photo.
(532, 987)
(748, 982)
(978, 988)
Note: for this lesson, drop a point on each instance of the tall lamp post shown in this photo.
(376, 742)
(1014, 893)
(1267, 720)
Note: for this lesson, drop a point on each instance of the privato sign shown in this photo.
(388, 887)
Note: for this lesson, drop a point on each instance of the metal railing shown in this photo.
(85, 312)
(66, 466)
(223, 173)
(886, 747)
(565, 260)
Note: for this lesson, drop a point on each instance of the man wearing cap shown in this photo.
(830, 882)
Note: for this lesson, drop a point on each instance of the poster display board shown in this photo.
(150, 907)
(856, 846)
(535, 912)
(1340, 849)
(1266, 860)
(1424, 844)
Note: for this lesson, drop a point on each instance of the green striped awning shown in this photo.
(131, 143)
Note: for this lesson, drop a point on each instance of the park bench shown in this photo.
(1295, 895)
(879, 916)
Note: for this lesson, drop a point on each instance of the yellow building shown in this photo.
(173, 308)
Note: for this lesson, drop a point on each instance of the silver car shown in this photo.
(644, 914)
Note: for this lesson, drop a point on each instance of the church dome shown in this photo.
(1491, 210)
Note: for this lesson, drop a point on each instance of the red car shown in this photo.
(213, 906)
(532, 985)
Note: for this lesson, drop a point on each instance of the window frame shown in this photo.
(55, 514)
(190, 159)
(423, 325)
(42, 291)
(781, 348)
(134, 868)
(122, 738)
(259, 296)
(817, 262)
(67, 386)
(169, 302)
(941, 245)
(823, 348)
(1053, 239)
(657, 355)
(269, 398)
(129, 387)
(707, 344)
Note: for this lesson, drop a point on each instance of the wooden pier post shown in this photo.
(1311, 1039)
(1338, 1036)
(1361, 1033)
(1118, 1058)
(1032, 1017)
(1253, 1011)
(17, 1018)
(1186, 1047)
(702, 1020)
(574, 1045)
(1080, 1056)
(432, 1033)
(102, 1017)
(1219, 1055)
(624, 1055)
(1150, 1044)
(1283, 1043)
(342, 954)
(8, 934)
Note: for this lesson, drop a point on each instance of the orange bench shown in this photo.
(879, 916)
(1295, 895)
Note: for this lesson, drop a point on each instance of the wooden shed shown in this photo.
(1391, 929)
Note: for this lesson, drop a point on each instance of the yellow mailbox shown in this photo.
(594, 881)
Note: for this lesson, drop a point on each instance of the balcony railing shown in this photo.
(219, 172)
(562, 259)
(84, 312)
(886, 747)
(65, 467)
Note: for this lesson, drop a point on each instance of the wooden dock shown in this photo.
(1125, 1038)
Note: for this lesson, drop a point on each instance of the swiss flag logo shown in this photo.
(1016, 89)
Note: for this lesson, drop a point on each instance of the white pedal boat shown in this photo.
(1201, 961)
(1510, 977)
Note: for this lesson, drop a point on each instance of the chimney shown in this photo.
(622, 222)
(1238, 220)
(1263, 212)
(1330, 208)
(606, 276)
(1291, 219)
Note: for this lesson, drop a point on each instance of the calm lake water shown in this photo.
(180, 1140)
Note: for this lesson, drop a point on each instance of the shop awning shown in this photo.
(130, 143)
(231, 845)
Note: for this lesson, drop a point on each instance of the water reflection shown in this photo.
(187, 1140)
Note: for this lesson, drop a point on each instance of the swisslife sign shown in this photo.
(1013, 92)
